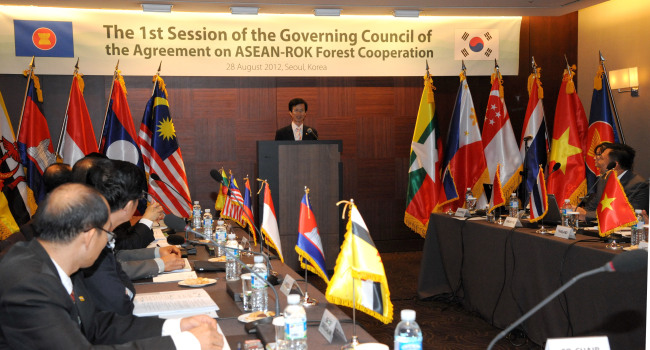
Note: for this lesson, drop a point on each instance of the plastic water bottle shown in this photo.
(207, 224)
(566, 208)
(220, 235)
(260, 295)
(637, 232)
(232, 267)
(196, 215)
(468, 196)
(295, 324)
(513, 208)
(408, 335)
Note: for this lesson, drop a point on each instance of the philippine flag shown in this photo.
(476, 44)
(43, 38)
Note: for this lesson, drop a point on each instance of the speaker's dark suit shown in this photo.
(286, 133)
(36, 311)
(635, 187)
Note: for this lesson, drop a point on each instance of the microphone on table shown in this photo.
(313, 132)
(179, 240)
(610, 166)
(631, 261)
(178, 224)
(157, 178)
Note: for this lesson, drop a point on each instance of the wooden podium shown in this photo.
(289, 166)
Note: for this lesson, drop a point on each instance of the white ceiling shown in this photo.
(349, 7)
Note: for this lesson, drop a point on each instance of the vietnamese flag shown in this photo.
(569, 145)
(614, 210)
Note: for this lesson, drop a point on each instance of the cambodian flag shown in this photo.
(309, 246)
(34, 140)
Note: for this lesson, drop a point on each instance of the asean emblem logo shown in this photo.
(44, 38)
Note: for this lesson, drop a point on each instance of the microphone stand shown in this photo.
(546, 301)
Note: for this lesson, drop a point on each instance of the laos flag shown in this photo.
(309, 246)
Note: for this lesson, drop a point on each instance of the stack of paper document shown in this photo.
(174, 303)
(174, 277)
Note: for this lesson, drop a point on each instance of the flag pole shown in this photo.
(108, 102)
(306, 300)
(22, 111)
(611, 98)
(65, 119)
(156, 81)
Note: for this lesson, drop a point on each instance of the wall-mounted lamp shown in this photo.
(157, 7)
(244, 10)
(406, 13)
(327, 12)
(627, 78)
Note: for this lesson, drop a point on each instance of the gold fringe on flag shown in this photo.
(598, 79)
(161, 83)
(120, 79)
(414, 224)
(80, 82)
(37, 84)
(568, 77)
(531, 79)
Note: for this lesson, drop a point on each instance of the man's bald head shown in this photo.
(55, 175)
(69, 210)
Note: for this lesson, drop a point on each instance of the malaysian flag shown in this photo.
(162, 155)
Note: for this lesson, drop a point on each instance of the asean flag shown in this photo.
(43, 38)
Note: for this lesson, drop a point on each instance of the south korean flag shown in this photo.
(476, 44)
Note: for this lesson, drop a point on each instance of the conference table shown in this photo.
(501, 273)
(229, 309)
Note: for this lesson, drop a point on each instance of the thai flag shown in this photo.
(309, 246)
(34, 142)
(79, 138)
(119, 135)
(539, 199)
(161, 154)
(535, 127)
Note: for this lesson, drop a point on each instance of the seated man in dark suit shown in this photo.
(297, 131)
(44, 301)
(54, 175)
(634, 185)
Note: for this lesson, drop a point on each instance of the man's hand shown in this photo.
(204, 328)
(169, 250)
(582, 214)
(154, 212)
(172, 262)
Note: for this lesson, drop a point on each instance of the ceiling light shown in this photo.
(157, 7)
(406, 13)
(244, 10)
(327, 12)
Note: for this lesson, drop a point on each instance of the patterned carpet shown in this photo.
(445, 326)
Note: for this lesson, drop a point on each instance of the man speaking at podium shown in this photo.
(297, 131)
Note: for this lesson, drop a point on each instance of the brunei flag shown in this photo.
(309, 246)
(614, 210)
(423, 192)
(359, 278)
(223, 192)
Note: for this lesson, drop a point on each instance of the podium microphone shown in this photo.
(313, 132)
(631, 261)
(178, 224)
(157, 178)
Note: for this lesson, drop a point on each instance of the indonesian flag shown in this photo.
(614, 210)
(569, 145)
(423, 193)
(499, 142)
(79, 136)
(270, 223)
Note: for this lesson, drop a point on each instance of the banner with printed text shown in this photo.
(219, 44)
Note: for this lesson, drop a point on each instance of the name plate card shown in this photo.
(462, 213)
(287, 284)
(578, 343)
(512, 222)
(330, 327)
(565, 232)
